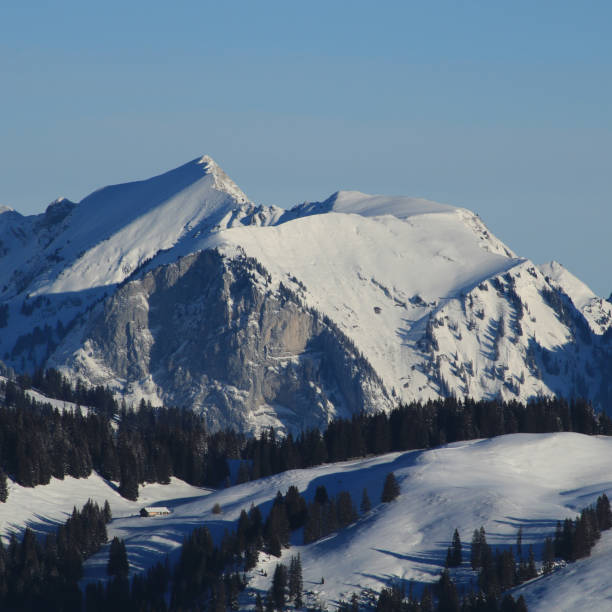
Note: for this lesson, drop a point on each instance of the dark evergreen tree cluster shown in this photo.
(574, 538)
(415, 426)
(326, 514)
(443, 598)
(287, 586)
(35, 576)
(390, 488)
(38, 442)
(53, 384)
(153, 444)
(205, 577)
(145, 592)
(454, 554)
(118, 565)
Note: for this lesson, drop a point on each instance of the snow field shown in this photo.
(522, 480)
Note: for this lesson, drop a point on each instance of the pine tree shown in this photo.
(366, 505)
(243, 473)
(108, 515)
(345, 509)
(118, 565)
(507, 604)
(3, 486)
(321, 496)
(390, 488)
(128, 480)
(521, 605)
(604, 514)
(296, 583)
(448, 600)
(479, 541)
(456, 555)
(426, 600)
(296, 507)
(548, 556)
(519, 543)
(532, 571)
(279, 586)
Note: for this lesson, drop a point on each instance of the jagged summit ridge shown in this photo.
(222, 181)
(180, 290)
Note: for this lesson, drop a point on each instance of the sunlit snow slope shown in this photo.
(352, 303)
(526, 480)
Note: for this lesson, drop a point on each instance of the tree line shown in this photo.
(152, 444)
(37, 575)
(498, 569)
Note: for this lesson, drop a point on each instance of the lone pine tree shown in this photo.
(390, 489)
(118, 565)
(296, 582)
(454, 554)
(366, 505)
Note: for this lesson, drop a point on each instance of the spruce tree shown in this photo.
(279, 586)
(532, 571)
(366, 505)
(521, 605)
(108, 515)
(296, 583)
(128, 480)
(118, 565)
(479, 541)
(604, 514)
(456, 555)
(390, 488)
(448, 600)
(3, 486)
(548, 556)
(345, 509)
(321, 496)
(519, 543)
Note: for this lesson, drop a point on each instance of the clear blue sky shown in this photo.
(502, 107)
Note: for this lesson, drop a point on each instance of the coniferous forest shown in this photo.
(149, 444)
(152, 444)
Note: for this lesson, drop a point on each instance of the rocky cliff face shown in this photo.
(179, 290)
(212, 334)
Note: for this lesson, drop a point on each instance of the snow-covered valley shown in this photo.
(527, 481)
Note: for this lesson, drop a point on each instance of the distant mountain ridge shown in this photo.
(178, 289)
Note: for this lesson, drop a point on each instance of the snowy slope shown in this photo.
(44, 507)
(524, 480)
(54, 266)
(584, 585)
(596, 310)
(423, 292)
(366, 272)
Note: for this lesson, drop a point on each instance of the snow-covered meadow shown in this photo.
(523, 480)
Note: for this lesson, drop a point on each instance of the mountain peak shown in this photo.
(222, 182)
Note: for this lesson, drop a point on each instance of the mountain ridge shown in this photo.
(420, 295)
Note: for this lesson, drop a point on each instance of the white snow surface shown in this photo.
(387, 270)
(596, 310)
(363, 271)
(522, 480)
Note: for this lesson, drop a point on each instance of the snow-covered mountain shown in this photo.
(178, 289)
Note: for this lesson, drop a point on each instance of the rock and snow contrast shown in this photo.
(179, 290)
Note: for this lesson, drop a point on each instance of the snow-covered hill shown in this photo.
(523, 480)
(179, 290)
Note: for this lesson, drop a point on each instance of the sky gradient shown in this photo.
(504, 108)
